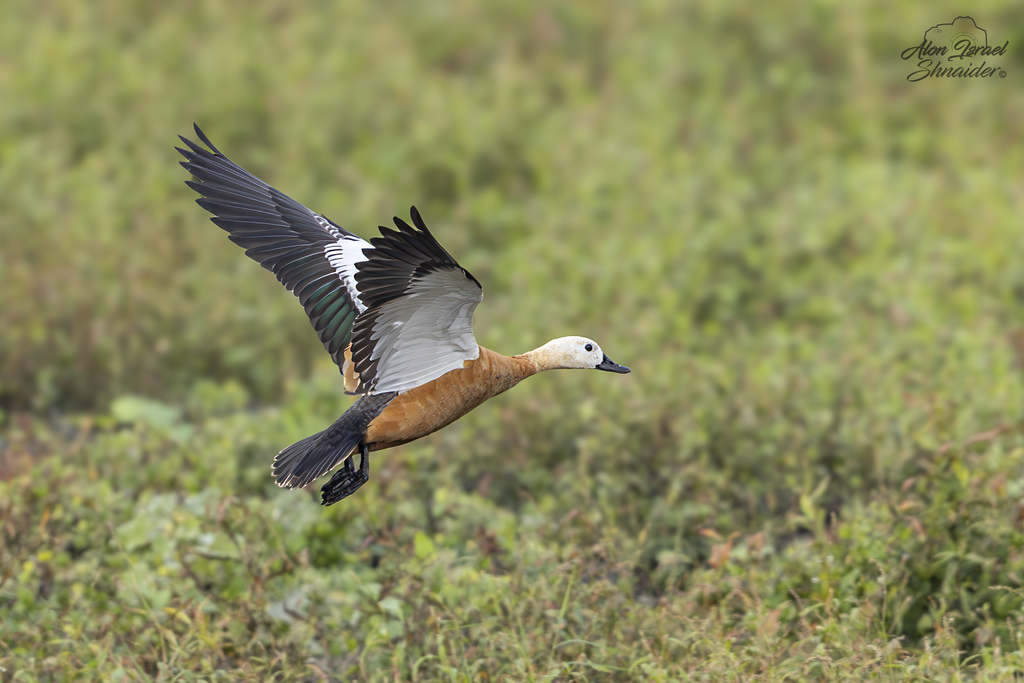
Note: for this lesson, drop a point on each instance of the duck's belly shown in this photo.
(434, 405)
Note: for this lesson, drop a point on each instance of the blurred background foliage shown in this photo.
(815, 469)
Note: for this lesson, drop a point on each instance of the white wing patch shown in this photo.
(327, 225)
(427, 332)
(344, 256)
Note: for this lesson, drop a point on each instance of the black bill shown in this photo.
(607, 364)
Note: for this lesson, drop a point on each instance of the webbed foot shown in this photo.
(348, 479)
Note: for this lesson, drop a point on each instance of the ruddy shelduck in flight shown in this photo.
(395, 313)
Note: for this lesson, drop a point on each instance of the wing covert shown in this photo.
(418, 322)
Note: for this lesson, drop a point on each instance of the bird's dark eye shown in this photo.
(589, 347)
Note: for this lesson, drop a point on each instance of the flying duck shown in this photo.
(395, 313)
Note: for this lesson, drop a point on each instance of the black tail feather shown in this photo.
(314, 456)
(286, 460)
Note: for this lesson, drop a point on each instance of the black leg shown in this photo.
(364, 461)
(347, 480)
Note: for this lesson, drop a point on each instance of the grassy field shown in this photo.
(814, 472)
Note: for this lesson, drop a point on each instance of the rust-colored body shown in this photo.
(430, 407)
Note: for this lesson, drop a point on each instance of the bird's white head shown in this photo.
(574, 353)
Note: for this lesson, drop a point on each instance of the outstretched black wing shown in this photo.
(311, 256)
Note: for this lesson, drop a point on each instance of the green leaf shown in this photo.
(138, 410)
(136, 532)
(422, 545)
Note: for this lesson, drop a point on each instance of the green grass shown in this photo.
(814, 472)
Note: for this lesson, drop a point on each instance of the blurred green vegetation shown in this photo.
(815, 470)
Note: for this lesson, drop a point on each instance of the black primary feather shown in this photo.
(280, 234)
